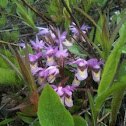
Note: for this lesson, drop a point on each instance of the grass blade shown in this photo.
(91, 102)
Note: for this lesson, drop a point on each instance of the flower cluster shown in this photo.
(82, 70)
(49, 61)
(65, 94)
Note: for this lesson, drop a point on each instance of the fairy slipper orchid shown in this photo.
(50, 53)
(52, 73)
(76, 82)
(82, 66)
(94, 66)
(42, 77)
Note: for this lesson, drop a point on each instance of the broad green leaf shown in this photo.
(75, 49)
(8, 77)
(3, 3)
(102, 97)
(79, 121)
(91, 102)
(11, 64)
(51, 112)
(25, 118)
(111, 64)
(116, 102)
(6, 121)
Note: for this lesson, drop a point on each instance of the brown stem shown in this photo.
(62, 72)
(103, 117)
(12, 44)
(62, 69)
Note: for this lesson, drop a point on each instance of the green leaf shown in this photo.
(11, 64)
(22, 12)
(51, 112)
(3, 3)
(6, 121)
(91, 102)
(75, 49)
(111, 64)
(3, 63)
(8, 76)
(102, 97)
(25, 118)
(116, 102)
(79, 121)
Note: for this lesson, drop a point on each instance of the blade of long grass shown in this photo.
(91, 102)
